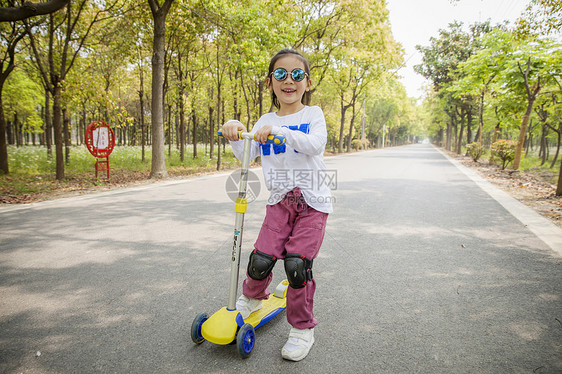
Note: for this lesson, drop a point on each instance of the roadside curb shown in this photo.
(545, 230)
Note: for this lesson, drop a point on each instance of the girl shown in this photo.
(299, 202)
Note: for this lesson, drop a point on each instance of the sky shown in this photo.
(415, 21)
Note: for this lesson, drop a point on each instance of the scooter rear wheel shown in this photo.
(246, 340)
(196, 328)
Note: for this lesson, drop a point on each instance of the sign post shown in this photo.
(100, 140)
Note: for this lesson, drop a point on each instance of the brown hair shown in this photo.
(282, 53)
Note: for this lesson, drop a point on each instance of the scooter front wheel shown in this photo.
(196, 335)
(245, 340)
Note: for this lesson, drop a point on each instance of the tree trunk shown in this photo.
(170, 132)
(4, 166)
(557, 149)
(481, 116)
(194, 126)
(249, 124)
(522, 133)
(182, 124)
(448, 136)
(188, 131)
(343, 109)
(83, 122)
(342, 125)
(57, 125)
(544, 144)
(459, 139)
(48, 124)
(181, 109)
(158, 169)
(67, 136)
(532, 93)
(260, 97)
(349, 139)
(17, 131)
(469, 138)
(219, 158)
(559, 187)
(234, 85)
(211, 130)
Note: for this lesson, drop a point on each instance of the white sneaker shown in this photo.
(246, 305)
(298, 345)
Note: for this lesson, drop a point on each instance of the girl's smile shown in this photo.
(288, 91)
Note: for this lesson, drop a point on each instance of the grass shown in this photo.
(531, 164)
(32, 171)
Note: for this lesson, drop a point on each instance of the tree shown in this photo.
(320, 23)
(159, 13)
(381, 113)
(532, 66)
(461, 90)
(366, 52)
(482, 68)
(20, 102)
(541, 17)
(73, 28)
(392, 111)
(440, 64)
(441, 59)
(11, 35)
(215, 63)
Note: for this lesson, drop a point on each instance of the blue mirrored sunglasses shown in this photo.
(297, 74)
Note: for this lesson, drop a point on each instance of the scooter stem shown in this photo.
(240, 209)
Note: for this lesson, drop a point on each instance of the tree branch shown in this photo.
(29, 9)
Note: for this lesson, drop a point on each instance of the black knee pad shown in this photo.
(260, 265)
(298, 269)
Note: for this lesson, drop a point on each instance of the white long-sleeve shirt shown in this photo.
(297, 163)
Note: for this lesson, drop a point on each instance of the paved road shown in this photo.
(421, 272)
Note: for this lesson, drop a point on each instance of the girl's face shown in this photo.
(289, 92)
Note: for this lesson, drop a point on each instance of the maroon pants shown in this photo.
(290, 226)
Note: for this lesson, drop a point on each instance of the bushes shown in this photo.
(504, 150)
(357, 144)
(475, 150)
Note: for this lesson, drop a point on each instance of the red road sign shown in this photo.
(100, 139)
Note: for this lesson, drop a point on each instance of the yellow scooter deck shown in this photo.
(221, 327)
(270, 307)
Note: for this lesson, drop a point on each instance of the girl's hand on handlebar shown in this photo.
(231, 128)
(262, 134)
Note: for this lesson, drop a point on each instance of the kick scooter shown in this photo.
(227, 326)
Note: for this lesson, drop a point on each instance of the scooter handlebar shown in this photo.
(276, 139)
